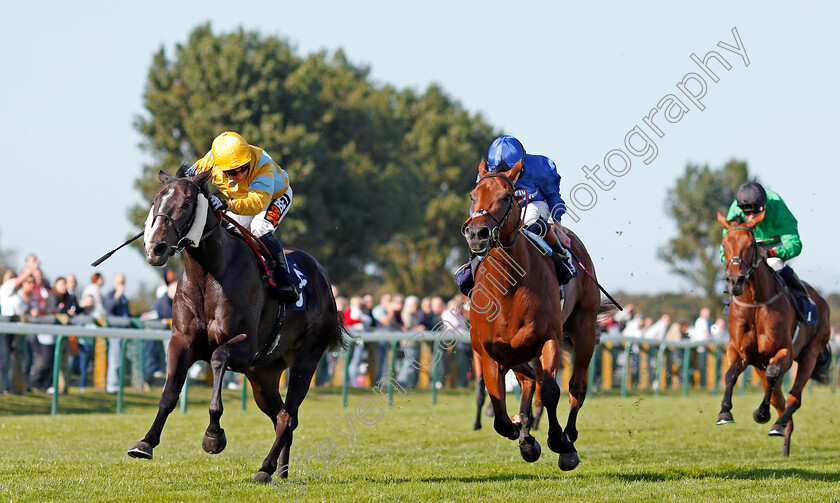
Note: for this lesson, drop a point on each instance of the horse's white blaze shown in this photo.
(152, 222)
(148, 226)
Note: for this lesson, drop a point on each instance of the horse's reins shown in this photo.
(252, 240)
(737, 260)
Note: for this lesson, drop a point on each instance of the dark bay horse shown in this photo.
(762, 321)
(223, 313)
(517, 317)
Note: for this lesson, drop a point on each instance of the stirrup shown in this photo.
(287, 294)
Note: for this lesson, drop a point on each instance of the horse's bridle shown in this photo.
(183, 241)
(495, 231)
(739, 261)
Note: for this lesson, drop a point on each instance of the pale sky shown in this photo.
(570, 80)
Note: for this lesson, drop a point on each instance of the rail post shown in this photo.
(56, 370)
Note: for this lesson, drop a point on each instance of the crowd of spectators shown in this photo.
(631, 323)
(370, 362)
(29, 294)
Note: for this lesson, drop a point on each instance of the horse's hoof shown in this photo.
(262, 477)
(725, 418)
(214, 445)
(568, 461)
(141, 450)
(476, 426)
(530, 449)
(777, 430)
(761, 416)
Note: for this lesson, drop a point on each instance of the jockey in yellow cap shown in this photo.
(258, 196)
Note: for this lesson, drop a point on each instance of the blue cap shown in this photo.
(504, 153)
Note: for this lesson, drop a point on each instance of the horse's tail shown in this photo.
(606, 310)
(338, 339)
(327, 317)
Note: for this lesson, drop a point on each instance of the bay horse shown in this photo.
(517, 317)
(481, 395)
(762, 321)
(223, 313)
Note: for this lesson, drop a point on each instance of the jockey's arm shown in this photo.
(259, 194)
(788, 228)
(201, 165)
(550, 186)
(253, 203)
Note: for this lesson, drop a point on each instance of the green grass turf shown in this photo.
(639, 448)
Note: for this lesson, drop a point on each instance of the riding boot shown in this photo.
(565, 268)
(564, 264)
(283, 277)
(465, 276)
(805, 304)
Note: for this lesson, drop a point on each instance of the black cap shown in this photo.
(751, 197)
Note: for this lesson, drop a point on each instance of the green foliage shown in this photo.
(380, 176)
(693, 203)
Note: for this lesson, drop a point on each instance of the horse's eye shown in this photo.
(187, 203)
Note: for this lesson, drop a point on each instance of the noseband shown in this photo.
(495, 231)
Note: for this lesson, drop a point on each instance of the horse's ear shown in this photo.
(163, 177)
(723, 221)
(202, 178)
(514, 172)
(757, 220)
(482, 168)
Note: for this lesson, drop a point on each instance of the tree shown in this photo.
(380, 176)
(693, 203)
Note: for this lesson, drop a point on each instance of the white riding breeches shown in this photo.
(534, 211)
(267, 220)
(776, 263)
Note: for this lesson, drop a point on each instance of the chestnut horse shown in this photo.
(517, 317)
(223, 313)
(481, 394)
(762, 321)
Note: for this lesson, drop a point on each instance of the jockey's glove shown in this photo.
(217, 203)
(771, 252)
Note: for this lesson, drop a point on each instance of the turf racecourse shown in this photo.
(639, 448)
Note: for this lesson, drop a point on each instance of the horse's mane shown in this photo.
(738, 220)
(182, 170)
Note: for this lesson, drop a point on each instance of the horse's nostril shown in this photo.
(484, 233)
(160, 249)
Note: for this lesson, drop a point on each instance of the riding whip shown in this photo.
(596, 282)
(105, 257)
